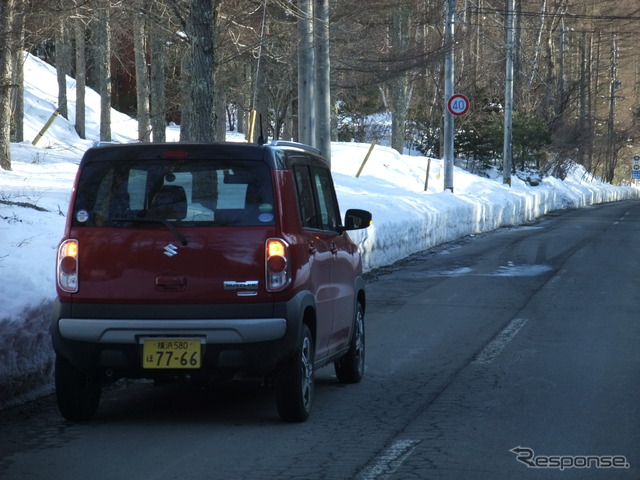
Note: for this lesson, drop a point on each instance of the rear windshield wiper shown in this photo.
(164, 222)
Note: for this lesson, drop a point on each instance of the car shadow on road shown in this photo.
(237, 402)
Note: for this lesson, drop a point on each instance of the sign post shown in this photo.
(457, 105)
(448, 119)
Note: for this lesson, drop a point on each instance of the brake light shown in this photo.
(68, 266)
(277, 264)
(173, 154)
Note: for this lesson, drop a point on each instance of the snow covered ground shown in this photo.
(34, 197)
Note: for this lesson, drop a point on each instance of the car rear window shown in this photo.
(187, 192)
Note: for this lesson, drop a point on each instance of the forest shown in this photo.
(218, 65)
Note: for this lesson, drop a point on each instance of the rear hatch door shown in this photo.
(173, 230)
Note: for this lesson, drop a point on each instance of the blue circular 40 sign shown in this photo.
(458, 104)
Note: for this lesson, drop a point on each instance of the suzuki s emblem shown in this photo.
(170, 250)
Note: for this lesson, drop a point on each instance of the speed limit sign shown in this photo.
(458, 104)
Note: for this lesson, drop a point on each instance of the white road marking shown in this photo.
(389, 460)
(495, 346)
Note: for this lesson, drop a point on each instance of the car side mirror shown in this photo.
(356, 219)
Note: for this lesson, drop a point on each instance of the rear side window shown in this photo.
(189, 192)
(316, 198)
(327, 204)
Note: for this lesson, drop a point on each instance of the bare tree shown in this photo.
(79, 30)
(400, 84)
(6, 81)
(199, 108)
(157, 80)
(102, 46)
(140, 28)
(237, 55)
(63, 63)
(17, 97)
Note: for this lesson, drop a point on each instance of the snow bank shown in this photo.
(407, 219)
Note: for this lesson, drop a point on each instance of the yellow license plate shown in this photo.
(171, 353)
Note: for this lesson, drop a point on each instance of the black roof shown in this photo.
(247, 151)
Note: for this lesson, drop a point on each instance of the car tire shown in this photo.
(350, 368)
(77, 392)
(295, 382)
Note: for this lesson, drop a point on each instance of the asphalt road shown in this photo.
(513, 354)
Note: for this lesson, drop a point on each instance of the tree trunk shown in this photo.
(17, 97)
(6, 64)
(219, 91)
(200, 104)
(536, 50)
(103, 49)
(399, 95)
(158, 104)
(220, 120)
(186, 113)
(243, 104)
(63, 65)
(142, 77)
(260, 103)
(81, 77)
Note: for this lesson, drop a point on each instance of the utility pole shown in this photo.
(508, 99)
(613, 86)
(562, 54)
(306, 74)
(323, 79)
(449, 16)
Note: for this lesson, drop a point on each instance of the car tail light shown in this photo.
(172, 154)
(68, 266)
(277, 265)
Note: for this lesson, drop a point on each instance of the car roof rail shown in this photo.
(301, 146)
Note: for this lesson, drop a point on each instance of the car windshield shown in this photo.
(186, 192)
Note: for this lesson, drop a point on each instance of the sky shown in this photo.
(406, 218)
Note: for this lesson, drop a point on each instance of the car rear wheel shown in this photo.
(77, 392)
(295, 382)
(350, 368)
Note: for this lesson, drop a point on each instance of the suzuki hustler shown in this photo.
(206, 262)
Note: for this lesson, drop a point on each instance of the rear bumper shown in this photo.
(249, 339)
(212, 331)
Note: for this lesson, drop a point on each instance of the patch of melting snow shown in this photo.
(458, 272)
(509, 270)
(512, 270)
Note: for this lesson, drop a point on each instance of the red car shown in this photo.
(204, 262)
